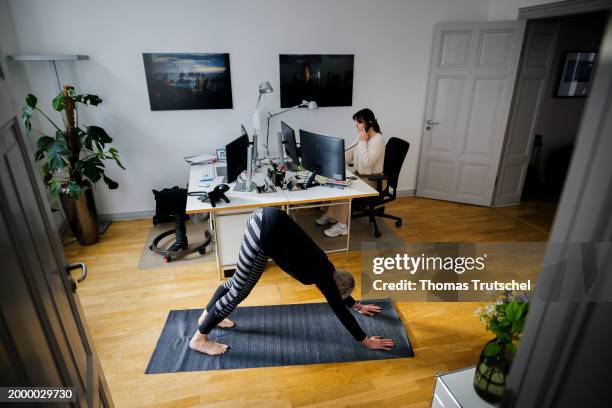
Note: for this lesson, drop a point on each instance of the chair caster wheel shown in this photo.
(202, 251)
(377, 234)
(167, 259)
(398, 223)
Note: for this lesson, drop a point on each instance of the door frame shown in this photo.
(563, 8)
(554, 331)
(543, 11)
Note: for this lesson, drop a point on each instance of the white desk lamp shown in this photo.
(305, 104)
(264, 88)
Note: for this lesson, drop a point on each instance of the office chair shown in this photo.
(395, 153)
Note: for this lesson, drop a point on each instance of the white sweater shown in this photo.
(368, 157)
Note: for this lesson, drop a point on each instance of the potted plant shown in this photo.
(73, 159)
(506, 319)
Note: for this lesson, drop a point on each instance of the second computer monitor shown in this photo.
(323, 155)
(290, 143)
(237, 155)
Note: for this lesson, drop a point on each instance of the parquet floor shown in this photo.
(126, 308)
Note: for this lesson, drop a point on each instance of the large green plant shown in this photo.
(74, 157)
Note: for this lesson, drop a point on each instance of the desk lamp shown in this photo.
(264, 88)
(312, 105)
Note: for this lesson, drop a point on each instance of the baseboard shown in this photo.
(133, 215)
(406, 193)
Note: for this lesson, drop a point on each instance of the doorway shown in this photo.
(546, 112)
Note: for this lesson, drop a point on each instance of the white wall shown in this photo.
(391, 41)
(16, 78)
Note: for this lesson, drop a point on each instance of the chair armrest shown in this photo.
(376, 177)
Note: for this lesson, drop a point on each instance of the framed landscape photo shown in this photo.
(576, 74)
(181, 81)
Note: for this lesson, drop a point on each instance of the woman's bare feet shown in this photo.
(224, 324)
(199, 342)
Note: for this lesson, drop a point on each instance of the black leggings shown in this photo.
(271, 233)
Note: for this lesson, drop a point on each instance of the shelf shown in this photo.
(47, 57)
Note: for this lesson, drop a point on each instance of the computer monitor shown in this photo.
(290, 143)
(323, 155)
(236, 153)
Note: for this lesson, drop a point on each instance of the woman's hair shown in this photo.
(366, 116)
(345, 282)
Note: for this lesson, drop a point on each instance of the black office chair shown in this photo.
(395, 153)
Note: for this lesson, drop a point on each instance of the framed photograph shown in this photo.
(576, 74)
(326, 79)
(188, 81)
(221, 154)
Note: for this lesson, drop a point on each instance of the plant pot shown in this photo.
(491, 374)
(82, 216)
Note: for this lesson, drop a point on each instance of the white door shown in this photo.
(531, 85)
(471, 80)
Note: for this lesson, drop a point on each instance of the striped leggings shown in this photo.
(251, 263)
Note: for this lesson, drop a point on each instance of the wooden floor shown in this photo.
(126, 308)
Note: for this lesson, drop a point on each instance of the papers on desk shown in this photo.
(203, 158)
(328, 182)
(208, 186)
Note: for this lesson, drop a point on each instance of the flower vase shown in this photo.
(492, 372)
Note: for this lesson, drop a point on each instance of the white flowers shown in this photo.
(487, 312)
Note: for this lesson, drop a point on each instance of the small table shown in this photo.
(455, 389)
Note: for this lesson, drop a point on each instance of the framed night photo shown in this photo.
(577, 74)
(188, 81)
(326, 79)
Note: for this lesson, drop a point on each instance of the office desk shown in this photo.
(228, 220)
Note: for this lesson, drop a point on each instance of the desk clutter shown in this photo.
(322, 157)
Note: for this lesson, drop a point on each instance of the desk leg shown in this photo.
(213, 228)
(348, 229)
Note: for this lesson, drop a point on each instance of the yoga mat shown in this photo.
(281, 335)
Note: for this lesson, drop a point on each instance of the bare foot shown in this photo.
(199, 342)
(224, 324)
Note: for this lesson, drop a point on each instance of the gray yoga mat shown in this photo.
(281, 335)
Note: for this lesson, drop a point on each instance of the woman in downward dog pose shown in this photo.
(271, 233)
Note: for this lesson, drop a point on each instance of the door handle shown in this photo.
(431, 122)
(81, 266)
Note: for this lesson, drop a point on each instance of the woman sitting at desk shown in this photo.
(368, 156)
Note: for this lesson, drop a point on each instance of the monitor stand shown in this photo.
(310, 181)
(291, 166)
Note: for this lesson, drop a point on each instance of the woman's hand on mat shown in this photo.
(367, 310)
(377, 343)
